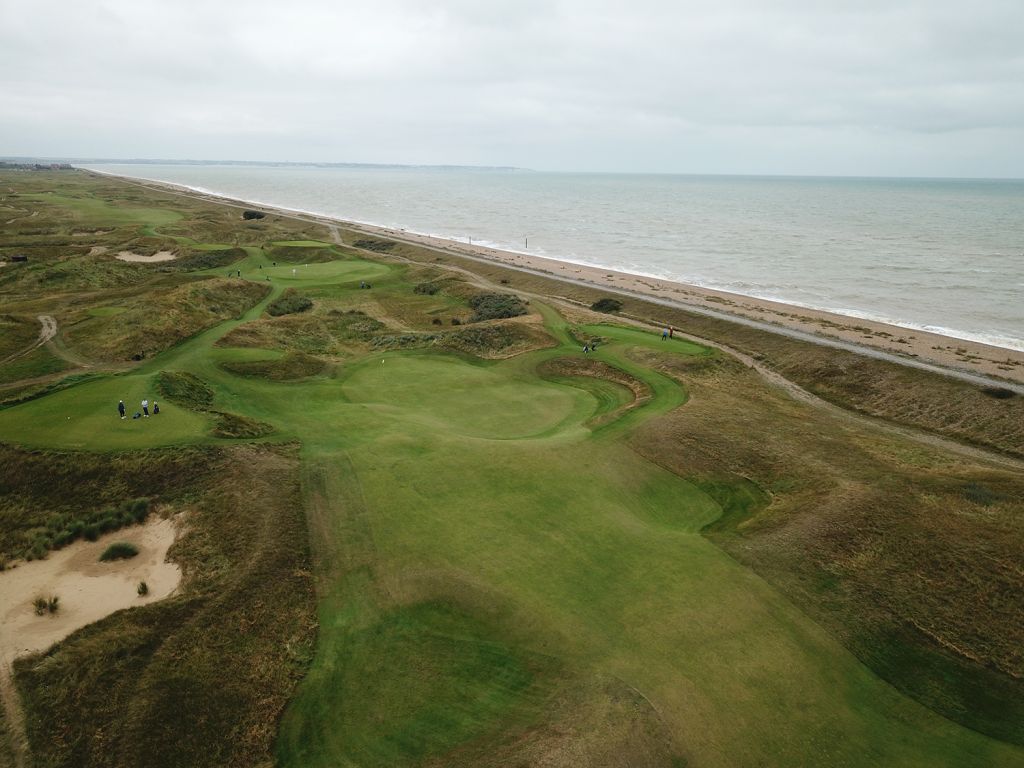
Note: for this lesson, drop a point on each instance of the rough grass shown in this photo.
(185, 389)
(200, 678)
(236, 427)
(163, 318)
(199, 260)
(291, 302)
(16, 334)
(912, 561)
(50, 498)
(292, 367)
(330, 333)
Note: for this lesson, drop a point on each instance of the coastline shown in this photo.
(918, 348)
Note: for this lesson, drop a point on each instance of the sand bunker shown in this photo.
(88, 589)
(136, 257)
(97, 250)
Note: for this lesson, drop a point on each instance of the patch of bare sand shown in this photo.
(97, 250)
(139, 258)
(88, 589)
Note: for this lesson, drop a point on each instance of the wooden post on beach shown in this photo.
(526, 242)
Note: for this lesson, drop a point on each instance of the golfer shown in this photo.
(145, 408)
(120, 408)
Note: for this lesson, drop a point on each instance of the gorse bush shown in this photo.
(496, 306)
(119, 550)
(606, 305)
(429, 288)
(380, 246)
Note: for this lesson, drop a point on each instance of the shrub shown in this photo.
(119, 550)
(142, 589)
(209, 259)
(429, 288)
(606, 305)
(436, 321)
(999, 393)
(380, 246)
(250, 215)
(40, 605)
(289, 303)
(456, 321)
(53, 604)
(495, 306)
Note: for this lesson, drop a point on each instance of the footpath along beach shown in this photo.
(912, 346)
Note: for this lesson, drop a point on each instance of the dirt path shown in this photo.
(46, 332)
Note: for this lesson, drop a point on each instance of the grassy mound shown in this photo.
(163, 318)
(185, 389)
(496, 306)
(313, 334)
(292, 367)
(236, 427)
(199, 260)
(301, 254)
(291, 302)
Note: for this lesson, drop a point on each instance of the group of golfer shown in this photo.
(143, 414)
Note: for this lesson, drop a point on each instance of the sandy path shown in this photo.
(88, 590)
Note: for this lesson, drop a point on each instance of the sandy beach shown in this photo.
(909, 344)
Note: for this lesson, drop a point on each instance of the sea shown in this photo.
(942, 255)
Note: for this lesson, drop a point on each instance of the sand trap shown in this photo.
(88, 589)
(136, 257)
(97, 250)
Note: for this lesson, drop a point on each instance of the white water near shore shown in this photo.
(946, 256)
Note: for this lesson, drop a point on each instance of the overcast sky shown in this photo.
(850, 87)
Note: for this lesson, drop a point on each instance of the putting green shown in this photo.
(324, 272)
(448, 394)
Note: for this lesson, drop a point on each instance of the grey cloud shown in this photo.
(898, 87)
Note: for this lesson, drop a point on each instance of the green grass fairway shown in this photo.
(496, 572)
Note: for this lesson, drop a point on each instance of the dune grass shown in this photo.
(119, 550)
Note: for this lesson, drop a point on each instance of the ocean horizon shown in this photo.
(938, 255)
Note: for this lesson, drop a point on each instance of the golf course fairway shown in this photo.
(502, 577)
